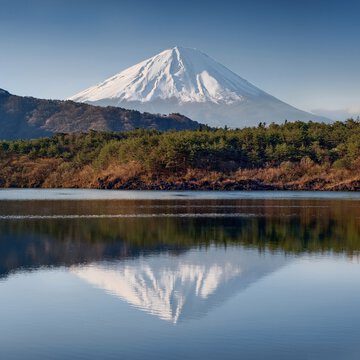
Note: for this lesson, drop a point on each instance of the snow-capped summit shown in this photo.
(188, 81)
(185, 74)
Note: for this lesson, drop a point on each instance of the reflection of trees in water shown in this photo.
(272, 225)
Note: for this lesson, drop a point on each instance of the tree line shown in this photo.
(336, 145)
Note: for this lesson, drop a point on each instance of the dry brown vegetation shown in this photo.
(52, 173)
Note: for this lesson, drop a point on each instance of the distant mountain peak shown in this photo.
(185, 74)
(188, 81)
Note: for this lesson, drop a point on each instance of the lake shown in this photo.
(96, 274)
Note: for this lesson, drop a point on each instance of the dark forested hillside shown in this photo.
(290, 156)
(27, 118)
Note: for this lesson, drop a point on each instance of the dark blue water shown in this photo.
(195, 276)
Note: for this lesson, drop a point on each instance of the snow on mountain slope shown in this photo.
(185, 74)
(188, 81)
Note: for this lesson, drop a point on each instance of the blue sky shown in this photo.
(305, 52)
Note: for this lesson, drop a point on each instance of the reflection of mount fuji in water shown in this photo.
(181, 287)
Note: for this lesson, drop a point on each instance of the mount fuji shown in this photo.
(190, 82)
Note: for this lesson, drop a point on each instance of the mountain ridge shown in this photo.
(29, 117)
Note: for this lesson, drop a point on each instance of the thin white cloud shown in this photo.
(339, 114)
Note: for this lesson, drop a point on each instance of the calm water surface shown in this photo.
(167, 275)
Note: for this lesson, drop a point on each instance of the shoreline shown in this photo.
(227, 185)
